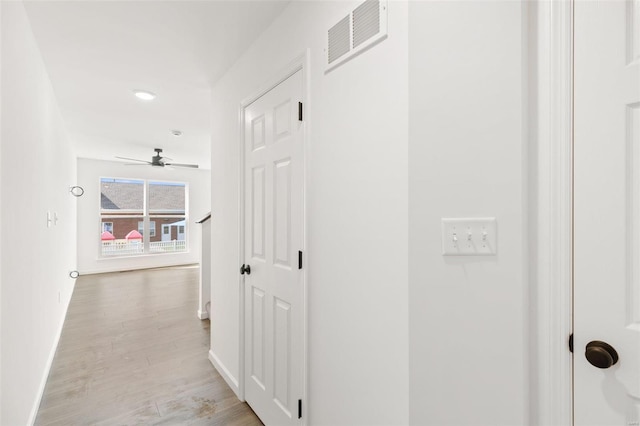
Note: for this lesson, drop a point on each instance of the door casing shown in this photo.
(300, 63)
(550, 164)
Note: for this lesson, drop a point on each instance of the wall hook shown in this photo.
(76, 191)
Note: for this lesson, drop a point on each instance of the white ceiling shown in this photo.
(98, 52)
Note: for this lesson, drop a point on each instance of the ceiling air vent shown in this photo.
(366, 21)
(362, 28)
(339, 40)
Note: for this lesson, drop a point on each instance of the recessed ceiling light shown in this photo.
(176, 133)
(144, 95)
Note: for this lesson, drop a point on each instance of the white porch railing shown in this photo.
(123, 247)
(162, 246)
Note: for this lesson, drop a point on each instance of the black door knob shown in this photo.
(245, 269)
(601, 354)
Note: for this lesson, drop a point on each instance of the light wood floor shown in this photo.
(132, 351)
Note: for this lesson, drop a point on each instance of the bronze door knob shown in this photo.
(245, 269)
(601, 354)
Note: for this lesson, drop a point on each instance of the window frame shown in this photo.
(146, 217)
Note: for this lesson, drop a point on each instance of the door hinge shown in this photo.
(299, 408)
(299, 259)
(299, 111)
(571, 343)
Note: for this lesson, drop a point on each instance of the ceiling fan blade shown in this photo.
(133, 159)
(137, 164)
(193, 166)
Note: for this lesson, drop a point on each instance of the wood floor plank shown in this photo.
(133, 352)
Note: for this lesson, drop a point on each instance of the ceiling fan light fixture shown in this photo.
(157, 161)
(144, 95)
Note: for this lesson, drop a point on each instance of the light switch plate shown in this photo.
(469, 236)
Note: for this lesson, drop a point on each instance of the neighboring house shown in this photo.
(118, 197)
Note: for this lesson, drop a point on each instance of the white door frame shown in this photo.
(550, 162)
(300, 63)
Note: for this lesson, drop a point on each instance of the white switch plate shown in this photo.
(469, 236)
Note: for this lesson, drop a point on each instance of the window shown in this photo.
(130, 210)
(152, 228)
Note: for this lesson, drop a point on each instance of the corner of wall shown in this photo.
(1, 30)
(233, 382)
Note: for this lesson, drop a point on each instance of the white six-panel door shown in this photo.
(273, 148)
(607, 211)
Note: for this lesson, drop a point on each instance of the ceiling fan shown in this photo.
(157, 161)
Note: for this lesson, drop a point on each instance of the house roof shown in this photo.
(107, 236)
(133, 235)
(128, 195)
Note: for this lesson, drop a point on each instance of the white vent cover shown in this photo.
(339, 39)
(357, 31)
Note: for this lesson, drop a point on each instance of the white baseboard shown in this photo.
(118, 267)
(203, 314)
(226, 375)
(47, 369)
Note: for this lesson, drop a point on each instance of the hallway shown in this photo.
(411, 116)
(133, 351)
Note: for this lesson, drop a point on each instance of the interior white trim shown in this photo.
(226, 374)
(47, 369)
(550, 156)
(1, 232)
(300, 63)
(306, 132)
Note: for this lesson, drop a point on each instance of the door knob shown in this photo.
(601, 354)
(245, 269)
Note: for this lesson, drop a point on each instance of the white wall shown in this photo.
(357, 214)
(204, 293)
(89, 174)
(37, 167)
(468, 316)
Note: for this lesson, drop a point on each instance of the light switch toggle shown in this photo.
(481, 236)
